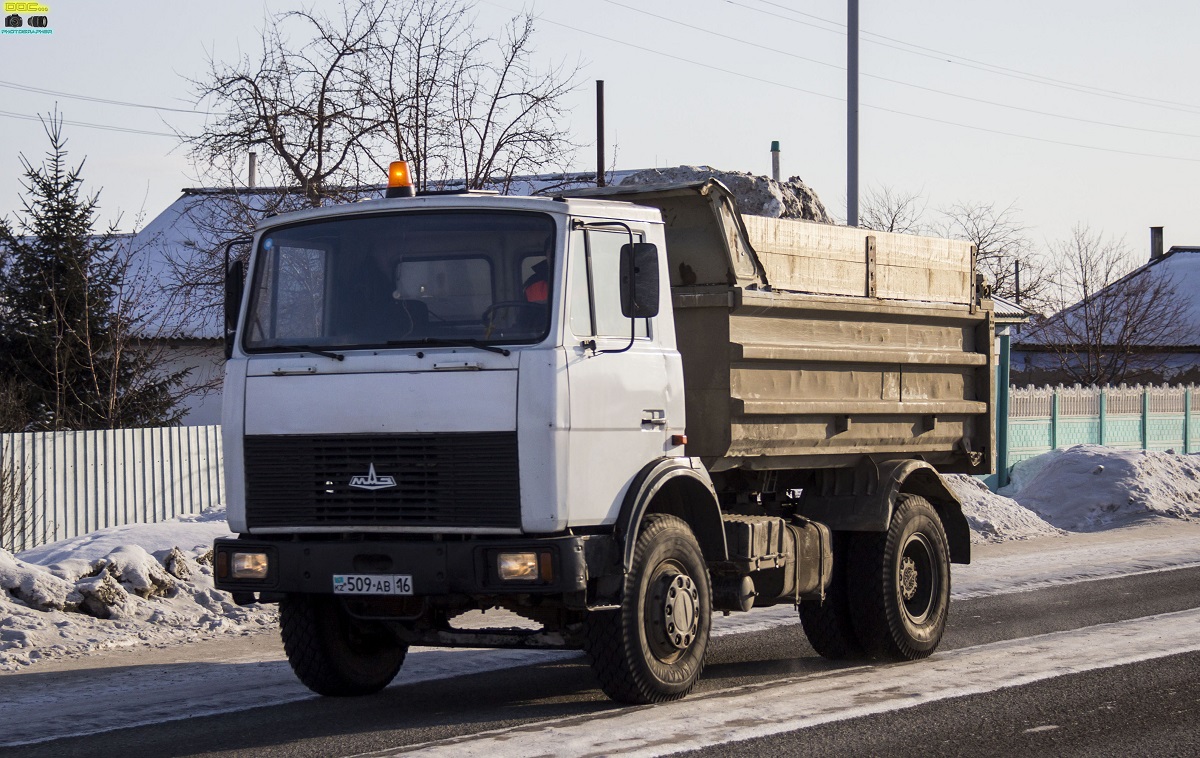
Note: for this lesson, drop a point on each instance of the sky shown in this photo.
(1071, 112)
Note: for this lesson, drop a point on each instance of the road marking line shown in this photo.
(787, 705)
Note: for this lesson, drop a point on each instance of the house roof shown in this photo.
(1181, 266)
(1008, 312)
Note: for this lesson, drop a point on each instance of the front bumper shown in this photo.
(437, 568)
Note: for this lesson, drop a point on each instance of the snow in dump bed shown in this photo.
(129, 585)
(1087, 487)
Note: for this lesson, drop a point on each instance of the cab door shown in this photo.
(624, 406)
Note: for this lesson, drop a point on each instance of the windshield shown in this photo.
(403, 279)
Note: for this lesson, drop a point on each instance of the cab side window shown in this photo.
(595, 281)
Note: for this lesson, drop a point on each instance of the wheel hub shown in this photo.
(681, 602)
(908, 578)
(916, 578)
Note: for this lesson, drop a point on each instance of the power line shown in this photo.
(902, 83)
(864, 105)
(89, 98)
(978, 65)
(89, 125)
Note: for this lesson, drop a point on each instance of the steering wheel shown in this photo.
(489, 313)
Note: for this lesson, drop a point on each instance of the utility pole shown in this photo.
(852, 112)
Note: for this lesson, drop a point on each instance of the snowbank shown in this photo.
(129, 585)
(1087, 487)
(186, 532)
(1084, 488)
(994, 518)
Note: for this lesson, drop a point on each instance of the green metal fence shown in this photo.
(1146, 418)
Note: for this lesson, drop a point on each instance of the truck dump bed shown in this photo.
(810, 345)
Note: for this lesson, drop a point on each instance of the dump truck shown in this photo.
(615, 414)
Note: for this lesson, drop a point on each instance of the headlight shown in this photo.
(517, 566)
(248, 566)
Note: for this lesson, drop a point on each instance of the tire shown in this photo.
(828, 624)
(334, 654)
(900, 583)
(638, 653)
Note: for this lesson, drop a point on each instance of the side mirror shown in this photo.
(235, 283)
(639, 280)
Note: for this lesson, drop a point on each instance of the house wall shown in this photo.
(1042, 368)
(206, 360)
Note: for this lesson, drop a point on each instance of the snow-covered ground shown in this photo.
(151, 585)
(148, 584)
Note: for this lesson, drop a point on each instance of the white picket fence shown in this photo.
(65, 484)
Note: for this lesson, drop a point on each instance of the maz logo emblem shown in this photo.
(372, 481)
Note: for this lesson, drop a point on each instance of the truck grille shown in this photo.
(441, 480)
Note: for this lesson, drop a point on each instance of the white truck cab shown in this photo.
(411, 317)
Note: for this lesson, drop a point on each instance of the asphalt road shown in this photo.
(1148, 707)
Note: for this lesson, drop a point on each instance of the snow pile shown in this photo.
(185, 532)
(756, 195)
(995, 518)
(1087, 487)
(144, 584)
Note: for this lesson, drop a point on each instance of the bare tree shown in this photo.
(1003, 245)
(330, 99)
(1112, 325)
(887, 209)
(508, 116)
(303, 105)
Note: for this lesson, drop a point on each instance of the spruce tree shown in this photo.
(67, 336)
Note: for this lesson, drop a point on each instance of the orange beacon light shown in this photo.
(399, 180)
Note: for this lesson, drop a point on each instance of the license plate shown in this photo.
(372, 584)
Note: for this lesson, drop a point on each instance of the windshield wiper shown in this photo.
(439, 342)
(308, 349)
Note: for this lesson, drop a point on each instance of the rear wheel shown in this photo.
(652, 649)
(900, 583)
(334, 653)
(827, 623)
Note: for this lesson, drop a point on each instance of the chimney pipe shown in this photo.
(775, 160)
(253, 174)
(1156, 243)
(599, 132)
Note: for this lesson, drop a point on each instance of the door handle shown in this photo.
(654, 417)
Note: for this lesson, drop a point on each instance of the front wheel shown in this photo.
(652, 649)
(332, 652)
(900, 583)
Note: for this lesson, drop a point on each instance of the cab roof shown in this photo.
(585, 207)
